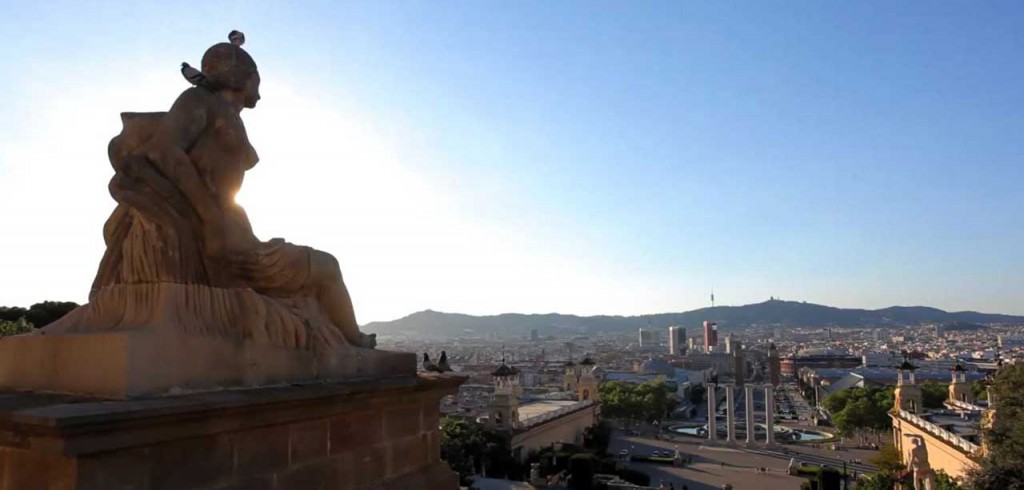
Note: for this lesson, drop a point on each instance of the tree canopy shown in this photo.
(934, 394)
(648, 401)
(38, 315)
(1003, 466)
(860, 408)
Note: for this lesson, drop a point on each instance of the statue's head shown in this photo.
(228, 66)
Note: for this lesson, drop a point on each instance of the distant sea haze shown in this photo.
(773, 312)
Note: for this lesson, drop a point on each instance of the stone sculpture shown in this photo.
(181, 255)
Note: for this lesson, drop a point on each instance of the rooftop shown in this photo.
(541, 407)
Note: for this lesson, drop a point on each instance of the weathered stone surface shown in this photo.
(124, 364)
(329, 436)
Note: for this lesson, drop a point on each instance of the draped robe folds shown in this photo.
(155, 273)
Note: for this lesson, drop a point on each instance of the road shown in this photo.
(713, 466)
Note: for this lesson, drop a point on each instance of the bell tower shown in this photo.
(908, 393)
(504, 406)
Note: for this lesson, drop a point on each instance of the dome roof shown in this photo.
(658, 366)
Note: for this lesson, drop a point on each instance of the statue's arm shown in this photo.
(169, 147)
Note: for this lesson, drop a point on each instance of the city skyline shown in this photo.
(584, 158)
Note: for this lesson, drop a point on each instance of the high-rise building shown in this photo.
(676, 341)
(710, 336)
(647, 337)
(691, 344)
(740, 363)
(728, 344)
(774, 365)
(533, 335)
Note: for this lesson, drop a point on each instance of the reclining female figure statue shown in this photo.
(181, 254)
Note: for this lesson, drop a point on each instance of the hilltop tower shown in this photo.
(504, 406)
(908, 393)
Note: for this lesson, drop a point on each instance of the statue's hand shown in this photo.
(368, 341)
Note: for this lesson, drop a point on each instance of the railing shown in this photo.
(957, 441)
(964, 405)
(544, 417)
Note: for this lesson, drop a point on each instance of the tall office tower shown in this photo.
(740, 363)
(647, 337)
(676, 341)
(728, 344)
(774, 365)
(691, 344)
(533, 335)
(710, 336)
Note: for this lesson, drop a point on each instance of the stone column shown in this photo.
(712, 406)
(769, 415)
(730, 407)
(748, 391)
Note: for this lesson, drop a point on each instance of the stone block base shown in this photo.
(380, 434)
(126, 364)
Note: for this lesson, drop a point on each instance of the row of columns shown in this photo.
(730, 401)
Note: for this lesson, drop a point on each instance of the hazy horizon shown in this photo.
(579, 157)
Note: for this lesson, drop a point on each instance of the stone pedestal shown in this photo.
(331, 436)
(133, 363)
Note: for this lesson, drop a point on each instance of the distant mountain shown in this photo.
(773, 312)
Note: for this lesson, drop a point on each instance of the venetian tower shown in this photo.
(504, 407)
(959, 388)
(586, 385)
(572, 376)
(908, 393)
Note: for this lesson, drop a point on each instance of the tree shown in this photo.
(829, 479)
(47, 312)
(934, 394)
(597, 437)
(12, 313)
(462, 443)
(945, 482)
(697, 394)
(1003, 466)
(888, 460)
(16, 327)
(581, 471)
(648, 401)
(857, 409)
(878, 481)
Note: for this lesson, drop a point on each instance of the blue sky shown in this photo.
(580, 157)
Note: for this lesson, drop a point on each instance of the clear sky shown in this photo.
(580, 157)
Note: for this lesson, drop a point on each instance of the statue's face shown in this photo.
(252, 90)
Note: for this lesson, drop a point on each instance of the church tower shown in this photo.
(586, 386)
(504, 407)
(908, 393)
(959, 389)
